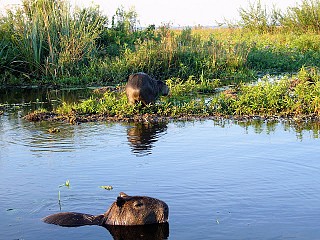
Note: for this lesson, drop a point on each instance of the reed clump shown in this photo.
(44, 39)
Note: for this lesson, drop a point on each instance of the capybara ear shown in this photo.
(123, 195)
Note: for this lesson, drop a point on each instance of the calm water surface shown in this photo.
(221, 180)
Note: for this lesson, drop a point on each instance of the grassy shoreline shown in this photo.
(48, 43)
(297, 97)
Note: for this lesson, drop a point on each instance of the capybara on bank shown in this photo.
(125, 211)
(143, 88)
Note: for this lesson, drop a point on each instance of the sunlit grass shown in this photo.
(46, 42)
(298, 95)
(294, 96)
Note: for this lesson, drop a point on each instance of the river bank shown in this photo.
(295, 97)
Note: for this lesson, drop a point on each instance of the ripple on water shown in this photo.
(69, 137)
(221, 181)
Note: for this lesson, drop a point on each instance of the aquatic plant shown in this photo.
(301, 18)
(183, 98)
(53, 130)
(258, 18)
(176, 56)
(107, 187)
(66, 184)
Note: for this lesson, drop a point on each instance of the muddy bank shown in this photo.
(76, 118)
(154, 118)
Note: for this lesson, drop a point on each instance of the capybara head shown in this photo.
(136, 210)
(163, 88)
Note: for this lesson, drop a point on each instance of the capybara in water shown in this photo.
(125, 211)
(143, 88)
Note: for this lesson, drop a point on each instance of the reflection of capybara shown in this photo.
(142, 232)
(142, 136)
(142, 88)
(126, 211)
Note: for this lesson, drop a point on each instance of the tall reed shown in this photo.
(51, 41)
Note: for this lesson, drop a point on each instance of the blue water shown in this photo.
(221, 180)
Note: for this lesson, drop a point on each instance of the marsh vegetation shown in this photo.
(231, 78)
(50, 43)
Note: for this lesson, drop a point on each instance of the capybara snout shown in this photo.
(143, 88)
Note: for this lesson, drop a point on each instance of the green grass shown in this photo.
(180, 55)
(184, 98)
(296, 96)
(45, 42)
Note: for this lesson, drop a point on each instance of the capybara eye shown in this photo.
(138, 204)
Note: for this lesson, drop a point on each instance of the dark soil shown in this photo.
(153, 118)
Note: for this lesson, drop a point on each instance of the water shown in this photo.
(221, 180)
(31, 98)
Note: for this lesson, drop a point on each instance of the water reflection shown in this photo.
(142, 136)
(145, 232)
(271, 126)
(35, 98)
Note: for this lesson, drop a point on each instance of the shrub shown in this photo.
(303, 18)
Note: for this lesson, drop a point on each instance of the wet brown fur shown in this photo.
(125, 211)
(136, 210)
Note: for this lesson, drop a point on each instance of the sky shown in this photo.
(176, 12)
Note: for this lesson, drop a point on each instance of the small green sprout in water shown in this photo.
(66, 184)
(107, 187)
(53, 130)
